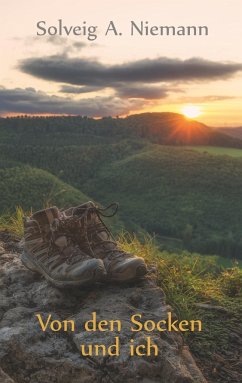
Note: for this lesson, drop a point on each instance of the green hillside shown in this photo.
(33, 188)
(220, 151)
(73, 164)
(177, 193)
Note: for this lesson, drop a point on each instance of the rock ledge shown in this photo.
(28, 355)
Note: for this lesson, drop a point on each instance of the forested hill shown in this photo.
(161, 128)
(233, 132)
(186, 198)
(175, 129)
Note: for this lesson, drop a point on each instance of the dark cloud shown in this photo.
(141, 91)
(87, 72)
(123, 91)
(31, 101)
(79, 90)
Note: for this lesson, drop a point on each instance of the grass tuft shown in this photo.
(13, 223)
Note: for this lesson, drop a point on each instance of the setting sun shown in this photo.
(191, 111)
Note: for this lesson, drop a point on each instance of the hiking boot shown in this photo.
(49, 250)
(95, 239)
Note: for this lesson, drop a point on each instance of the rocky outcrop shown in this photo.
(30, 355)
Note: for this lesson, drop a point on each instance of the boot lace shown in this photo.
(88, 230)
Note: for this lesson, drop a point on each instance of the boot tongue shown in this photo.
(46, 216)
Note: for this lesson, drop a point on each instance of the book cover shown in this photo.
(120, 191)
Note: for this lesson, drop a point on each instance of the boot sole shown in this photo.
(141, 271)
(99, 274)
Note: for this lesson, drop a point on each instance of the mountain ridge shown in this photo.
(233, 132)
(163, 128)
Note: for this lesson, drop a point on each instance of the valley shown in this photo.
(187, 196)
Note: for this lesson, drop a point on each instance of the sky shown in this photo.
(122, 74)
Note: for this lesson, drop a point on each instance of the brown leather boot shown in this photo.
(50, 251)
(96, 240)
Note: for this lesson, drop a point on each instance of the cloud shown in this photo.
(60, 45)
(30, 101)
(79, 44)
(134, 85)
(55, 40)
(203, 99)
(123, 91)
(66, 44)
(87, 72)
(142, 91)
(79, 90)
